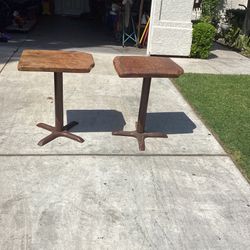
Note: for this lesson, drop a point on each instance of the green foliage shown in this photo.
(206, 19)
(234, 36)
(211, 8)
(231, 35)
(242, 42)
(203, 35)
(246, 52)
(236, 39)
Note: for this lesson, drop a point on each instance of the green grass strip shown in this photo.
(223, 102)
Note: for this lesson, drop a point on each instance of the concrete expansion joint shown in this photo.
(8, 60)
(117, 155)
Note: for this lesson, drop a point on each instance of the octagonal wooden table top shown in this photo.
(146, 66)
(56, 61)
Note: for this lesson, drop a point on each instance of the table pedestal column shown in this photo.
(140, 133)
(59, 129)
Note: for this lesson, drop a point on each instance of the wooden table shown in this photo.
(57, 62)
(144, 67)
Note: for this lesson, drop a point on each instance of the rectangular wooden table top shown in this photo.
(146, 66)
(56, 61)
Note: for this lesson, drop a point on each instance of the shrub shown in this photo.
(235, 38)
(242, 42)
(211, 9)
(231, 35)
(203, 35)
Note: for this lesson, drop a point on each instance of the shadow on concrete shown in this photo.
(217, 46)
(212, 56)
(5, 54)
(96, 120)
(112, 120)
(169, 122)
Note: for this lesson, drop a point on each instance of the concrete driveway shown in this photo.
(183, 192)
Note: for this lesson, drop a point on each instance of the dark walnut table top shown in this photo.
(56, 61)
(146, 66)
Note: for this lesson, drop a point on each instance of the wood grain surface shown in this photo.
(56, 61)
(146, 66)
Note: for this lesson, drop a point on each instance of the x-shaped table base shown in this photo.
(54, 133)
(59, 130)
(140, 136)
(140, 133)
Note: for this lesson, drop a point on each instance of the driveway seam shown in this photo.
(117, 155)
(8, 60)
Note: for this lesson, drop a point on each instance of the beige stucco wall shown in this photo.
(170, 28)
(234, 4)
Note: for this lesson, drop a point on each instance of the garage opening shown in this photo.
(77, 23)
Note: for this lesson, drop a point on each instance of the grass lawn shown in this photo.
(223, 102)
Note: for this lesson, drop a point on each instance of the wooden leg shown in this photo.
(139, 133)
(59, 130)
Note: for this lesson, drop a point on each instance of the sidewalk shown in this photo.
(183, 192)
(221, 61)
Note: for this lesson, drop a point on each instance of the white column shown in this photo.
(170, 28)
